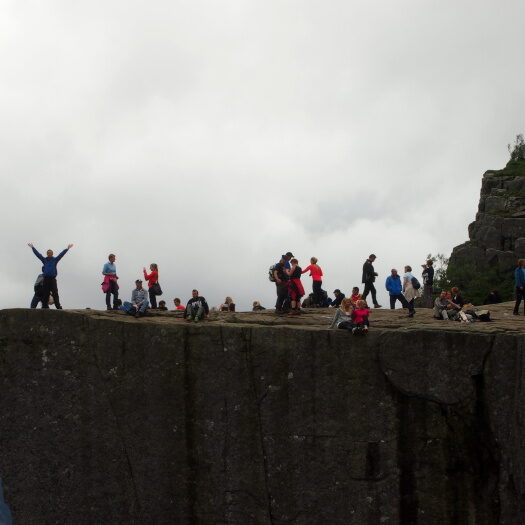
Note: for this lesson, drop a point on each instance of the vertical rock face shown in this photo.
(497, 236)
(107, 421)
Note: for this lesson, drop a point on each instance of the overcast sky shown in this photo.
(210, 137)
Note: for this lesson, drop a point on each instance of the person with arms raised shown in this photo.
(49, 286)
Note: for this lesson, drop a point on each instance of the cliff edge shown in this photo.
(252, 419)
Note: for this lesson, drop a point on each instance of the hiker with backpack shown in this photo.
(280, 277)
(411, 288)
(317, 281)
(49, 285)
(394, 287)
(38, 289)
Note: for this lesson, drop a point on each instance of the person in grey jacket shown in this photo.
(139, 301)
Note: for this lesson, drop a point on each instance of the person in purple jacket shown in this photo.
(50, 275)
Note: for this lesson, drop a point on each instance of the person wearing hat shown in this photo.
(139, 301)
(369, 276)
(428, 283)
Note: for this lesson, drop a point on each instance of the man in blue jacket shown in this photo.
(50, 275)
(519, 279)
(394, 286)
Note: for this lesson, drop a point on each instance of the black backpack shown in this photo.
(415, 284)
(270, 273)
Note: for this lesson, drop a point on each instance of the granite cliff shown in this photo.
(255, 419)
(497, 236)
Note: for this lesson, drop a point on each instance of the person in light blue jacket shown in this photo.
(519, 279)
(394, 287)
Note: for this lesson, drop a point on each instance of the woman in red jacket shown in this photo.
(152, 278)
(317, 280)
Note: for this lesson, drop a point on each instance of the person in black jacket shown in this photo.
(339, 296)
(369, 276)
(428, 283)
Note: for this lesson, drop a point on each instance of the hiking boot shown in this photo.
(354, 330)
(189, 318)
(515, 313)
(196, 320)
(377, 306)
(411, 313)
(109, 308)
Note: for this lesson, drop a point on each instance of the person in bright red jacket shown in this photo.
(152, 278)
(317, 280)
(360, 317)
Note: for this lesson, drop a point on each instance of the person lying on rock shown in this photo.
(197, 308)
(139, 301)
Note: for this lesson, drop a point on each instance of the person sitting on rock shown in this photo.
(444, 308)
(343, 315)
(360, 317)
(177, 304)
(457, 298)
(257, 306)
(492, 298)
(162, 306)
(339, 296)
(197, 308)
(356, 296)
(139, 301)
(227, 306)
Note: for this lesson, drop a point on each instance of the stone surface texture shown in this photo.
(497, 236)
(258, 419)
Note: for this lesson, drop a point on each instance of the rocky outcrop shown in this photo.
(497, 236)
(105, 419)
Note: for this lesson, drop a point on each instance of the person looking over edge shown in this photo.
(49, 285)
(109, 271)
(395, 287)
(139, 302)
(369, 276)
(428, 283)
(197, 308)
(519, 281)
(152, 279)
(281, 284)
(317, 280)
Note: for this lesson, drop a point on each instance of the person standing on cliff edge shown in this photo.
(519, 279)
(369, 276)
(50, 275)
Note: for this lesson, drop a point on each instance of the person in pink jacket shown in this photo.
(317, 280)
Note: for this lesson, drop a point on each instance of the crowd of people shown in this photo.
(352, 312)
